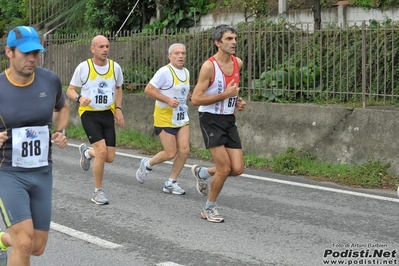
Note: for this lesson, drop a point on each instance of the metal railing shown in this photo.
(281, 61)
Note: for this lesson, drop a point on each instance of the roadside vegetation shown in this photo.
(78, 16)
(373, 174)
(281, 83)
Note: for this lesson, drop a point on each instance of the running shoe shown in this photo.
(212, 215)
(99, 198)
(201, 184)
(3, 252)
(173, 188)
(84, 162)
(141, 174)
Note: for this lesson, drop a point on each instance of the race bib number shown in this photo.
(101, 98)
(30, 146)
(180, 114)
(230, 105)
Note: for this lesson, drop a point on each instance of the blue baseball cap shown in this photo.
(25, 38)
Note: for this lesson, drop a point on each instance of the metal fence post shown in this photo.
(364, 63)
(164, 53)
(49, 50)
(250, 63)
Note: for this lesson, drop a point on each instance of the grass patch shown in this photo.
(202, 153)
(76, 132)
(131, 139)
(372, 174)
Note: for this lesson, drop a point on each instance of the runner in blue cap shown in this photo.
(25, 146)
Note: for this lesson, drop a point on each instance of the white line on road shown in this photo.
(168, 263)
(268, 179)
(291, 183)
(83, 236)
(106, 244)
(353, 193)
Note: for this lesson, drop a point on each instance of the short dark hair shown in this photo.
(220, 30)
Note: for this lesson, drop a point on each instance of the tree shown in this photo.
(13, 13)
(317, 14)
(72, 16)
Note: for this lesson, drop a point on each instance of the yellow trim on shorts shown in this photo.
(4, 213)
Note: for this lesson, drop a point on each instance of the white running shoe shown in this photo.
(141, 174)
(173, 188)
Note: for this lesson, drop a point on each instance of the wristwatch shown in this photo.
(77, 98)
(63, 131)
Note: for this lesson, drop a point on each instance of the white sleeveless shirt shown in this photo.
(220, 81)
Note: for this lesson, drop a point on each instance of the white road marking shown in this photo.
(291, 183)
(168, 263)
(107, 244)
(353, 193)
(83, 236)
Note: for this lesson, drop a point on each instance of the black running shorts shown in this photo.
(219, 130)
(99, 125)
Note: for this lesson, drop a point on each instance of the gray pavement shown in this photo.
(270, 219)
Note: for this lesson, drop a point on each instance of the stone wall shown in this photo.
(335, 134)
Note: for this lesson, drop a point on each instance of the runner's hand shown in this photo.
(59, 139)
(173, 102)
(240, 104)
(232, 89)
(84, 101)
(118, 118)
(3, 137)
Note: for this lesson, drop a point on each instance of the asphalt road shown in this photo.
(270, 219)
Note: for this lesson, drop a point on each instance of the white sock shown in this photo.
(87, 155)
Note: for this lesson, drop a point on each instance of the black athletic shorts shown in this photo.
(170, 130)
(99, 125)
(219, 130)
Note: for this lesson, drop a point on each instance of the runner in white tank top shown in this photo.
(170, 87)
(216, 93)
(96, 86)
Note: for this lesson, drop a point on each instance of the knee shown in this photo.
(101, 154)
(236, 171)
(170, 155)
(110, 158)
(23, 247)
(184, 151)
(39, 244)
(37, 251)
(224, 171)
